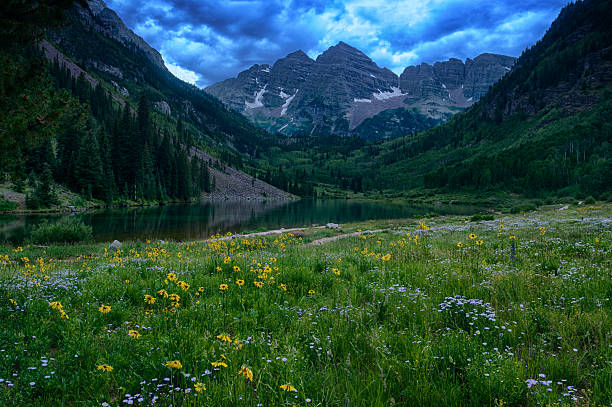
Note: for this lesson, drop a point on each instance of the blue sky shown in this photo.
(203, 42)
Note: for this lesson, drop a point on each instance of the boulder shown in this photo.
(332, 226)
(116, 245)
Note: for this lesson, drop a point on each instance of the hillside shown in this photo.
(542, 128)
(97, 39)
(92, 107)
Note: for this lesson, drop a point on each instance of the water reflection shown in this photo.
(195, 221)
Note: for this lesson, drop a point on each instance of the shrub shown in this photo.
(537, 202)
(479, 217)
(524, 207)
(63, 231)
(7, 205)
(568, 200)
(590, 200)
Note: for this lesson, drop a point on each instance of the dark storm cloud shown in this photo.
(217, 39)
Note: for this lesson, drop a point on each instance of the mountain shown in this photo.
(343, 87)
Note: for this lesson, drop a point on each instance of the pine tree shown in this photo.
(184, 191)
(108, 177)
(88, 170)
(204, 177)
(44, 195)
(164, 163)
(144, 124)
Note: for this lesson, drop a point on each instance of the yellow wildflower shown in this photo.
(174, 364)
(246, 372)
(134, 334)
(224, 338)
(105, 368)
(104, 309)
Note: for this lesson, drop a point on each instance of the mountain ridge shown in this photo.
(343, 87)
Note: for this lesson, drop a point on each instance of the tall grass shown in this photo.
(373, 320)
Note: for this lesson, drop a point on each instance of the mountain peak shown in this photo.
(341, 51)
(299, 54)
(345, 47)
(96, 6)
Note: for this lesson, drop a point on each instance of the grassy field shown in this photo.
(445, 312)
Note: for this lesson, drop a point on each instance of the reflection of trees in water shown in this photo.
(176, 221)
(12, 228)
(184, 222)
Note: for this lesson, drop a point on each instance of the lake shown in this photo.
(197, 221)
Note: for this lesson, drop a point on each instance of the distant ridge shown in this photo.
(343, 87)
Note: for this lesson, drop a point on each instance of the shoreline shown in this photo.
(68, 210)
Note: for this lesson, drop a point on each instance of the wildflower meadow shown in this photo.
(438, 312)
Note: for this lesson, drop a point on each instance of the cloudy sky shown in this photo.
(204, 41)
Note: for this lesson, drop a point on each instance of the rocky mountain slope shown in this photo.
(97, 40)
(343, 87)
(96, 45)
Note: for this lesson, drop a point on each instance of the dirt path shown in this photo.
(313, 243)
(334, 238)
(266, 233)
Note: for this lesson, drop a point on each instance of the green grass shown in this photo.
(435, 324)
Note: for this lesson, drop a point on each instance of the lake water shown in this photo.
(196, 221)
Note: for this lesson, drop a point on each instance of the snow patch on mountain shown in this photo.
(362, 100)
(287, 102)
(258, 99)
(395, 92)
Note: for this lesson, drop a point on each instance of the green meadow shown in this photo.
(445, 311)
